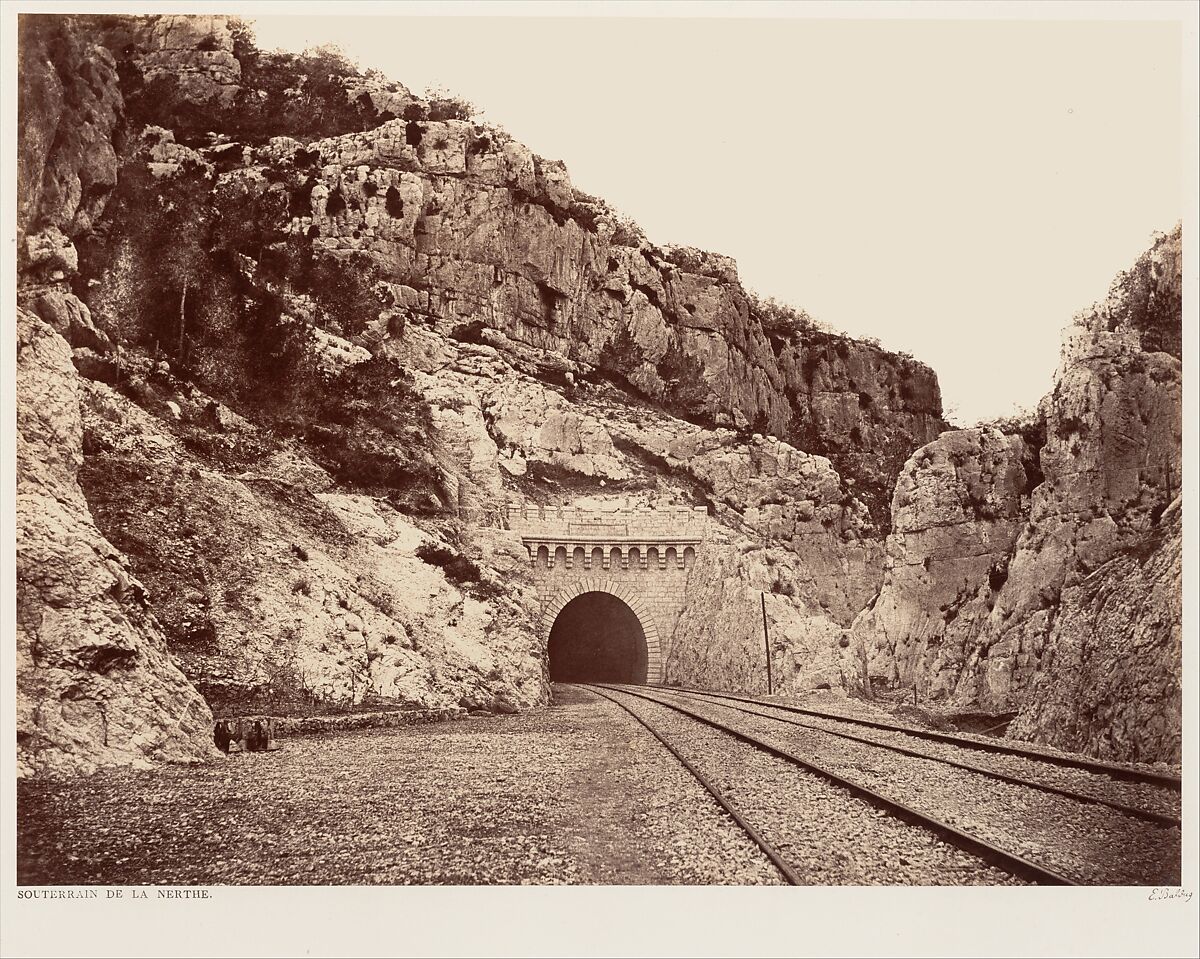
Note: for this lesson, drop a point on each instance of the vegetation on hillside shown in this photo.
(283, 94)
(205, 277)
(781, 320)
(1145, 299)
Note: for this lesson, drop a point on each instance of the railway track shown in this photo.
(1115, 770)
(770, 851)
(738, 717)
(956, 757)
(1006, 862)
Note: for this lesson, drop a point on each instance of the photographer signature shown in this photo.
(1163, 893)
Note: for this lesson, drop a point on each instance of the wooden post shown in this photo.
(767, 640)
(182, 318)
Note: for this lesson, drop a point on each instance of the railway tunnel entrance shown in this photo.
(597, 638)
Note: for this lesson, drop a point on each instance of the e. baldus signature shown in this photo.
(1163, 893)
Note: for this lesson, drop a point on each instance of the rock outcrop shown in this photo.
(1111, 676)
(1114, 465)
(69, 105)
(471, 229)
(280, 591)
(958, 509)
(1038, 614)
(191, 55)
(96, 684)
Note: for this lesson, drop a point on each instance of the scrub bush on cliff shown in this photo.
(282, 94)
(371, 428)
(780, 319)
(1146, 302)
(159, 277)
(179, 278)
(444, 105)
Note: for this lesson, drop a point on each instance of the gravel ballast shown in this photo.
(1099, 785)
(1087, 842)
(579, 793)
(1147, 796)
(829, 836)
(837, 706)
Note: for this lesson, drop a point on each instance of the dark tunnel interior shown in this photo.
(596, 638)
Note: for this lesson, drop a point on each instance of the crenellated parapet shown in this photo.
(565, 537)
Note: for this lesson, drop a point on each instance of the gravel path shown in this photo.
(579, 793)
(1089, 843)
(825, 833)
(1147, 796)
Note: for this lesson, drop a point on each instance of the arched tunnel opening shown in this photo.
(596, 638)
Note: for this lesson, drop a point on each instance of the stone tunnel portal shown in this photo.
(597, 638)
(641, 557)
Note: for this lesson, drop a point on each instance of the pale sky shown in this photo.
(958, 189)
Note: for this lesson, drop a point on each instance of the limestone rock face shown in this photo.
(68, 316)
(96, 685)
(280, 591)
(195, 53)
(472, 228)
(1113, 465)
(543, 427)
(1112, 461)
(860, 406)
(719, 641)
(784, 499)
(958, 508)
(1038, 612)
(1110, 683)
(69, 104)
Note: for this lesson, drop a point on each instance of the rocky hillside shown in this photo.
(97, 682)
(1057, 600)
(320, 330)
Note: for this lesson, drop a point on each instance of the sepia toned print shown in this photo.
(390, 511)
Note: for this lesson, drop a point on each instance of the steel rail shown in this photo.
(1128, 774)
(991, 854)
(771, 852)
(1138, 812)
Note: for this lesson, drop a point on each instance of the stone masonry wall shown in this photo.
(627, 523)
(641, 555)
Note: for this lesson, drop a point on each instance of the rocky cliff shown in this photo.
(1055, 599)
(315, 350)
(958, 508)
(96, 684)
(321, 329)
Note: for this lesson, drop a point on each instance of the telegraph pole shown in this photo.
(767, 640)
